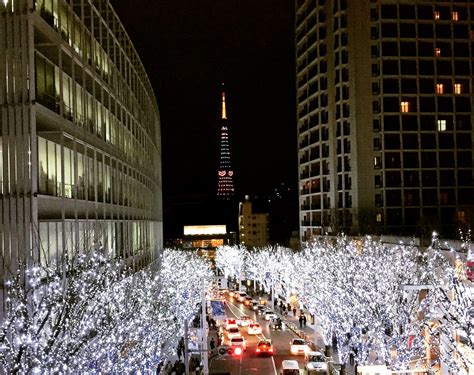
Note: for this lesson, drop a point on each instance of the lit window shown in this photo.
(441, 125)
(457, 88)
(404, 106)
(437, 52)
(378, 218)
(436, 15)
(377, 162)
(455, 16)
(439, 88)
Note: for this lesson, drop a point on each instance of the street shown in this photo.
(249, 363)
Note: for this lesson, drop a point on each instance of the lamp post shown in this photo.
(204, 355)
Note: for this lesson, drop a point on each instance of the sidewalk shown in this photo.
(312, 334)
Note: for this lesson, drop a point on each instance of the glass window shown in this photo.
(457, 88)
(439, 88)
(405, 107)
(441, 125)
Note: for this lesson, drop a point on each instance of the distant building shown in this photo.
(253, 227)
(205, 239)
(80, 144)
(384, 116)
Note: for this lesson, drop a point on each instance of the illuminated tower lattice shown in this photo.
(225, 184)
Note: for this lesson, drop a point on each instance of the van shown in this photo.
(290, 367)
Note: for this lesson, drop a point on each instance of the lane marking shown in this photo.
(274, 367)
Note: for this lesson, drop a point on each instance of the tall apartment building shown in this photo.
(253, 227)
(384, 113)
(80, 149)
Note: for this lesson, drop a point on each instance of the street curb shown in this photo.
(301, 334)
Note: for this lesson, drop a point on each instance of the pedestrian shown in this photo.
(301, 321)
(304, 320)
(212, 344)
(294, 311)
(179, 352)
(288, 306)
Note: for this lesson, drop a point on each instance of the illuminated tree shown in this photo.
(449, 308)
(91, 314)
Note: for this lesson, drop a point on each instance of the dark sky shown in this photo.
(188, 48)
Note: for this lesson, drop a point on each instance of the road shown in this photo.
(249, 363)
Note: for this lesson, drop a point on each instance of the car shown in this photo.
(264, 347)
(315, 363)
(244, 321)
(254, 305)
(268, 315)
(232, 332)
(248, 301)
(254, 329)
(298, 346)
(238, 341)
(261, 309)
(231, 292)
(262, 301)
(241, 296)
(290, 367)
(229, 322)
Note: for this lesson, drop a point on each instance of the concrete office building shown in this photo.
(253, 227)
(80, 149)
(384, 114)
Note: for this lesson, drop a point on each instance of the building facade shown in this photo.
(80, 136)
(253, 227)
(384, 116)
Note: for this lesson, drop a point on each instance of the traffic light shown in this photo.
(225, 350)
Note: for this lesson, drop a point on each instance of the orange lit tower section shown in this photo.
(225, 184)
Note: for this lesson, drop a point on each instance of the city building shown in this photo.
(80, 150)
(384, 116)
(205, 239)
(253, 227)
(225, 183)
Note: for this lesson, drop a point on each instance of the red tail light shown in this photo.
(258, 350)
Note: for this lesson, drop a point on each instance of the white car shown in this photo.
(254, 329)
(229, 322)
(238, 341)
(268, 315)
(315, 363)
(298, 347)
(244, 321)
(241, 296)
(232, 332)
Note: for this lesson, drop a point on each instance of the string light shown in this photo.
(382, 304)
(93, 315)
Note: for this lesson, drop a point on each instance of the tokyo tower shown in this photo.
(225, 184)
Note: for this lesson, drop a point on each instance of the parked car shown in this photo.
(254, 305)
(254, 329)
(264, 347)
(298, 346)
(268, 315)
(315, 363)
(244, 321)
(238, 341)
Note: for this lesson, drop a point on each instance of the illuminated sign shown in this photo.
(193, 230)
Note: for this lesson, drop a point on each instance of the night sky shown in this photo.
(188, 48)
